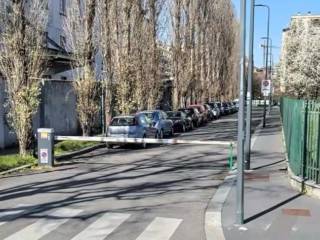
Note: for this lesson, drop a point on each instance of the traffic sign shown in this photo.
(266, 87)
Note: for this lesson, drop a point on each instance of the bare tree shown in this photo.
(130, 46)
(204, 50)
(22, 61)
(80, 28)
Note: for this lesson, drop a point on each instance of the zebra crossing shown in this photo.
(160, 228)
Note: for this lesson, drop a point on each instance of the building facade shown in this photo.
(58, 102)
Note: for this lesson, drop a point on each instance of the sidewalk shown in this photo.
(273, 210)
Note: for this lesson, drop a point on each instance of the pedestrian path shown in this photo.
(272, 208)
(160, 228)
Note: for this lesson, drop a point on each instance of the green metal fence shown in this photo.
(301, 126)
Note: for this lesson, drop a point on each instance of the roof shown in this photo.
(125, 116)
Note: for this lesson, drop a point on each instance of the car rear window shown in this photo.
(125, 121)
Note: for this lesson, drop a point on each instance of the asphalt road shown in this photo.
(159, 193)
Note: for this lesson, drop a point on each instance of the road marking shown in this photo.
(46, 225)
(101, 228)
(12, 214)
(160, 229)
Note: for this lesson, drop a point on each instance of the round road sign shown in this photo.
(266, 83)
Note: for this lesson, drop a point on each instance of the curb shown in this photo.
(213, 216)
(16, 169)
(79, 152)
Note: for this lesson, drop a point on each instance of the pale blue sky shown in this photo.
(281, 12)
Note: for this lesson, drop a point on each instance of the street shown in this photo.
(158, 193)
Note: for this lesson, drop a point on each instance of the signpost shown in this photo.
(266, 87)
(45, 146)
(266, 91)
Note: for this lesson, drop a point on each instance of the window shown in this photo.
(130, 121)
(156, 116)
(143, 120)
(164, 115)
(63, 41)
(63, 7)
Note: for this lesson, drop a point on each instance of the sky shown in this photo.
(281, 12)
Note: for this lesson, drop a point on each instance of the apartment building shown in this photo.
(56, 41)
(58, 101)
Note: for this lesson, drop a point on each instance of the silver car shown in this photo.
(136, 126)
(160, 121)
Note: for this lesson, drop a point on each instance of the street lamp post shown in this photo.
(267, 54)
(269, 66)
(240, 146)
(247, 145)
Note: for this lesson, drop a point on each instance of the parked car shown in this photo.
(221, 108)
(194, 114)
(232, 107)
(226, 108)
(203, 113)
(181, 122)
(215, 110)
(236, 103)
(160, 121)
(210, 113)
(136, 126)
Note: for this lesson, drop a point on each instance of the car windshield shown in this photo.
(173, 114)
(123, 121)
(149, 116)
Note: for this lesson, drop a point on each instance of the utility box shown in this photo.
(46, 146)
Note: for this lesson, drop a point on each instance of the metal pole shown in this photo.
(271, 87)
(240, 153)
(267, 57)
(247, 145)
(103, 119)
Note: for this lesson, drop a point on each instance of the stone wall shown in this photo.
(57, 110)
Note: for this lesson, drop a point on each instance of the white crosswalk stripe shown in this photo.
(44, 226)
(102, 227)
(160, 229)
